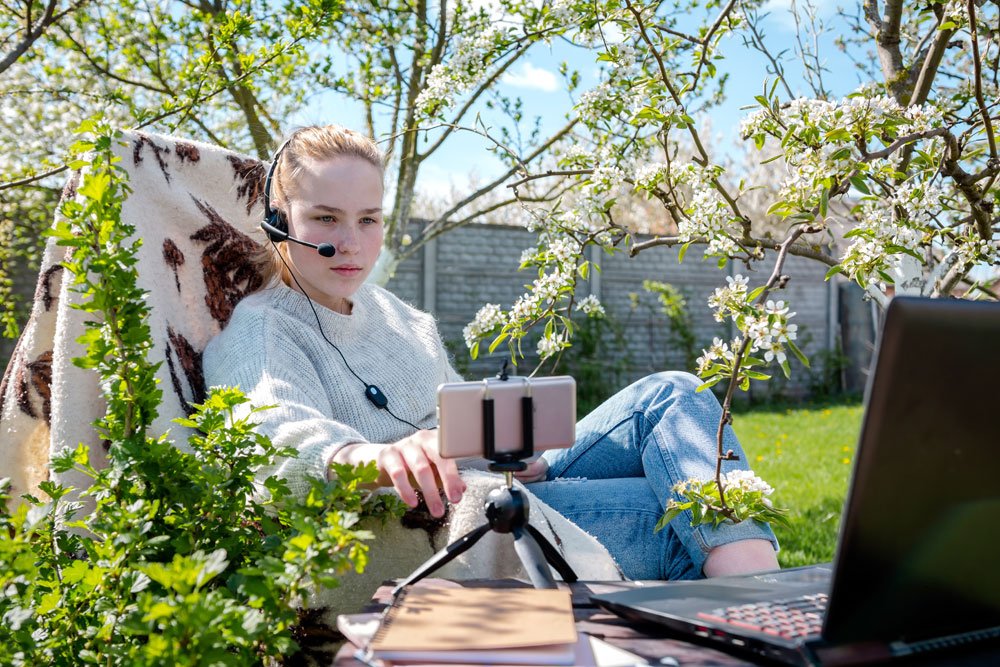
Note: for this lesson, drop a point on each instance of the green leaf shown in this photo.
(75, 572)
(824, 202)
(669, 515)
(798, 353)
(95, 185)
(48, 603)
(860, 184)
(833, 271)
(682, 252)
(499, 339)
(53, 490)
(777, 208)
(159, 611)
(710, 383)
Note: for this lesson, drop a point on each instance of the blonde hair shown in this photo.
(313, 143)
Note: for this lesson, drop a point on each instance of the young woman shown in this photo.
(325, 347)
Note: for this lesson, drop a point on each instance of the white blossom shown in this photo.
(487, 319)
(649, 175)
(746, 480)
(462, 71)
(549, 345)
(591, 306)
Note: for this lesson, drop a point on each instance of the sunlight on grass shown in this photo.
(806, 453)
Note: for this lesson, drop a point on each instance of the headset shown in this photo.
(275, 222)
(275, 225)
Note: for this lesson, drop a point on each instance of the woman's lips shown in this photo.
(346, 270)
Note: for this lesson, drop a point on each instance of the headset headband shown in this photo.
(270, 175)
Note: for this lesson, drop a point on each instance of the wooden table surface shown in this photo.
(650, 641)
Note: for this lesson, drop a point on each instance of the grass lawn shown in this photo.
(806, 453)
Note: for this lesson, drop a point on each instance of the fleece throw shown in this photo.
(196, 208)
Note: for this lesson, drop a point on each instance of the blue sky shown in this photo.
(535, 79)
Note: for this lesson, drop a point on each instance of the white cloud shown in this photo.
(781, 11)
(535, 78)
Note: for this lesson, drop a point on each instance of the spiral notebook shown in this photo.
(509, 626)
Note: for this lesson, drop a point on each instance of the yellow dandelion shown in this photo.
(760, 457)
(846, 460)
(846, 448)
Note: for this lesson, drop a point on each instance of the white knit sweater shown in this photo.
(273, 350)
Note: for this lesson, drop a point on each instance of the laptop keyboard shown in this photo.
(791, 619)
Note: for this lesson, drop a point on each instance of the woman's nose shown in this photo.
(347, 240)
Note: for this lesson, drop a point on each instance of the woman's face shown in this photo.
(337, 201)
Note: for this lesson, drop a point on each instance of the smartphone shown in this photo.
(460, 414)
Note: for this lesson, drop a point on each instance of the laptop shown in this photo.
(917, 563)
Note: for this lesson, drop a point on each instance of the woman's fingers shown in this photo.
(414, 464)
(447, 469)
(392, 463)
(422, 471)
(454, 486)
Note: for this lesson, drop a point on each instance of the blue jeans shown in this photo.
(617, 478)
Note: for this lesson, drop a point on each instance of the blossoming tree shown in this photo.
(235, 73)
(907, 163)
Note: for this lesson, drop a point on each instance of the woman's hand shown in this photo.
(411, 464)
(535, 471)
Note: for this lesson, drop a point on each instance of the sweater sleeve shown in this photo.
(277, 373)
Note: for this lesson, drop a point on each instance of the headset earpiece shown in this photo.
(278, 222)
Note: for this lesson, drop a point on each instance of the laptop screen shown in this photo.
(919, 550)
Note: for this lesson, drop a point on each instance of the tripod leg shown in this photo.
(533, 559)
(552, 555)
(443, 556)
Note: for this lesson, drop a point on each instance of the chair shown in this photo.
(196, 208)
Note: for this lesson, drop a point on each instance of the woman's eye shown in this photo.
(326, 218)
(369, 221)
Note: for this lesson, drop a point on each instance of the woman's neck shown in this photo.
(341, 305)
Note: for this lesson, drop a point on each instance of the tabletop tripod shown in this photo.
(506, 508)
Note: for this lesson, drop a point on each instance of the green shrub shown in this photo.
(184, 560)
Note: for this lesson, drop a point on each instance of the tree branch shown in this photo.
(31, 34)
(977, 79)
(105, 71)
(550, 173)
(666, 81)
(887, 40)
(245, 100)
(799, 250)
(496, 182)
(708, 37)
(757, 42)
(776, 278)
(483, 87)
(929, 69)
(32, 179)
